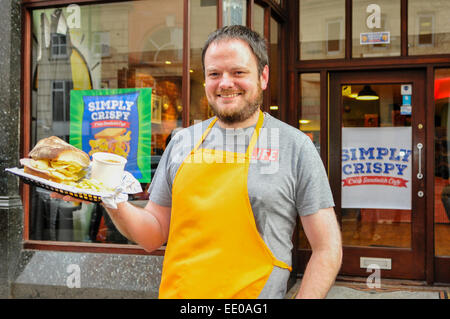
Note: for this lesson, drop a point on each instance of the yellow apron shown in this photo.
(214, 249)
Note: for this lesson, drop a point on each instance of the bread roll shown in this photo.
(54, 148)
(55, 160)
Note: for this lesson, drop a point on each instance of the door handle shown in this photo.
(419, 147)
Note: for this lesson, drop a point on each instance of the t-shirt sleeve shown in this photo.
(313, 190)
(160, 189)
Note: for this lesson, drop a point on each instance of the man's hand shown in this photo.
(68, 198)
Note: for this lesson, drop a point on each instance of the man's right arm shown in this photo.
(148, 227)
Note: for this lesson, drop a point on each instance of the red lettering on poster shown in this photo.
(110, 123)
(374, 180)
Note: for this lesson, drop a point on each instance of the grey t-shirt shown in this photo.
(286, 177)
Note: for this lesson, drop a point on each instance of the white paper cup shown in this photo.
(108, 168)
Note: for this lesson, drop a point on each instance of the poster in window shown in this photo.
(376, 167)
(115, 121)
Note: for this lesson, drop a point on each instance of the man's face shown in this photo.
(233, 87)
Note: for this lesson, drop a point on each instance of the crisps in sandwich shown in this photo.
(55, 160)
(114, 140)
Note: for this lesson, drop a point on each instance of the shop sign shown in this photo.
(405, 110)
(375, 38)
(115, 121)
(376, 167)
(406, 89)
(406, 100)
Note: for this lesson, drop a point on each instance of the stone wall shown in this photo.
(11, 213)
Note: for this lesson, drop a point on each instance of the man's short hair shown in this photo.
(253, 39)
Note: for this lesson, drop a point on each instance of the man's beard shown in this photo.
(241, 114)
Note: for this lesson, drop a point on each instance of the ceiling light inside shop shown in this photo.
(168, 62)
(274, 107)
(304, 121)
(367, 94)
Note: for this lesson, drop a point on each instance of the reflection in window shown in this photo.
(442, 154)
(61, 108)
(234, 12)
(59, 45)
(258, 19)
(309, 113)
(376, 28)
(119, 45)
(334, 31)
(322, 33)
(428, 27)
(101, 44)
(426, 24)
(203, 22)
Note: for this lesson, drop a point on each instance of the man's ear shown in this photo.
(264, 78)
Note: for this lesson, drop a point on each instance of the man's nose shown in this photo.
(226, 81)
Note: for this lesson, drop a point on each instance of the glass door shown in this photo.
(377, 170)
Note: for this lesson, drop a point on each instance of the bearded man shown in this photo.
(227, 212)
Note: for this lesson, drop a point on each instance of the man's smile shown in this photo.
(229, 95)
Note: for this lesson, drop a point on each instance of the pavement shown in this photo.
(388, 289)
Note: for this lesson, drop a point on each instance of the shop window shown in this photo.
(376, 28)
(442, 163)
(107, 50)
(322, 32)
(309, 107)
(425, 34)
(258, 19)
(427, 27)
(335, 28)
(234, 12)
(203, 22)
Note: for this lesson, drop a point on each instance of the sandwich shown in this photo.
(114, 140)
(57, 161)
(110, 133)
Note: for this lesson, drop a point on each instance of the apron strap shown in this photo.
(255, 135)
(204, 135)
(281, 264)
(253, 139)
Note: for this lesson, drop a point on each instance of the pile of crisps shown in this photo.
(90, 184)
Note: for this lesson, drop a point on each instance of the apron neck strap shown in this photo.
(253, 139)
(255, 135)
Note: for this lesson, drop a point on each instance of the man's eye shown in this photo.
(213, 74)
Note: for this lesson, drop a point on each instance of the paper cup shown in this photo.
(108, 168)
